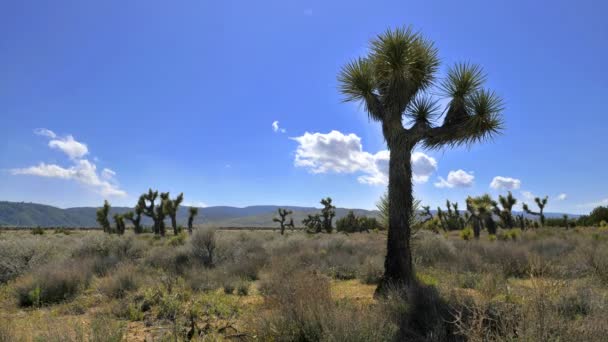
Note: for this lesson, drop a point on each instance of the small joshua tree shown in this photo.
(120, 224)
(313, 223)
(505, 214)
(283, 213)
(328, 212)
(566, 221)
(170, 208)
(451, 218)
(541, 203)
(102, 217)
(192, 212)
(480, 209)
(521, 221)
(161, 213)
(135, 218)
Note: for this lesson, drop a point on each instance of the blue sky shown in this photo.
(182, 96)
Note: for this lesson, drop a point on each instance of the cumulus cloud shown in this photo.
(561, 197)
(276, 128)
(83, 171)
(505, 183)
(456, 179)
(343, 153)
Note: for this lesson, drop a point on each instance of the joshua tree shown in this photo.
(566, 221)
(102, 217)
(505, 215)
(192, 212)
(135, 218)
(450, 219)
(521, 221)
(541, 203)
(161, 212)
(394, 82)
(150, 209)
(313, 223)
(120, 224)
(480, 209)
(283, 213)
(170, 208)
(328, 212)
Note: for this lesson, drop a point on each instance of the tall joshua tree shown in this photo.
(192, 212)
(505, 214)
(541, 203)
(135, 218)
(161, 213)
(170, 208)
(480, 209)
(150, 209)
(394, 81)
(102, 217)
(328, 212)
(450, 219)
(283, 213)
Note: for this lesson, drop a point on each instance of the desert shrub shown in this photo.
(120, 282)
(107, 251)
(176, 261)
(204, 280)
(491, 237)
(242, 258)
(178, 240)
(38, 231)
(466, 234)
(228, 288)
(203, 246)
(302, 310)
(577, 304)
(54, 284)
(104, 329)
(603, 224)
(430, 249)
(18, 256)
(372, 270)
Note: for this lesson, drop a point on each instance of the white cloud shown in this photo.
(561, 197)
(458, 178)
(45, 133)
(528, 196)
(340, 153)
(276, 128)
(505, 183)
(74, 149)
(82, 170)
(197, 204)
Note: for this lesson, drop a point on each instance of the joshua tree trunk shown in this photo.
(174, 224)
(476, 228)
(398, 269)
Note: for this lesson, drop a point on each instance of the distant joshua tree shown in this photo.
(541, 203)
(161, 213)
(283, 213)
(451, 218)
(505, 214)
(135, 218)
(192, 212)
(328, 212)
(394, 81)
(170, 208)
(480, 209)
(120, 224)
(566, 221)
(102, 217)
(149, 209)
(313, 223)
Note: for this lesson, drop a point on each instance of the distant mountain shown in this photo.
(21, 214)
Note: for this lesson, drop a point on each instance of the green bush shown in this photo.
(243, 289)
(119, 283)
(466, 234)
(54, 284)
(38, 231)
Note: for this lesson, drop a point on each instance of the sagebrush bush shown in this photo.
(54, 284)
(203, 246)
(117, 284)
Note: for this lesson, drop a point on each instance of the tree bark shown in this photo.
(398, 269)
(174, 224)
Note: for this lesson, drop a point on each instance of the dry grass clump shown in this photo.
(54, 284)
(123, 280)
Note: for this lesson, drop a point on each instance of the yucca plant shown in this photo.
(192, 212)
(120, 224)
(170, 208)
(147, 203)
(102, 217)
(283, 213)
(541, 203)
(135, 218)
(328, 212)
(395, 82)
(505, 213)
(480, 209)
